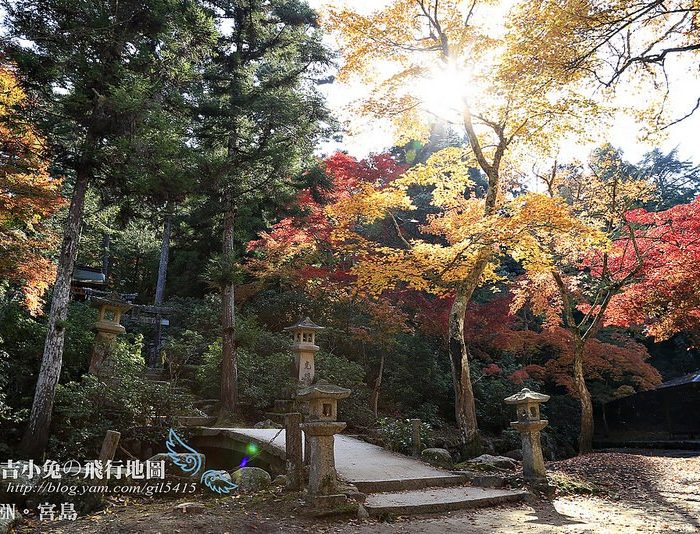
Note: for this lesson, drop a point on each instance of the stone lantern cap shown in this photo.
(305, 324)
(526, 396)
(113, 300)
(322, 390)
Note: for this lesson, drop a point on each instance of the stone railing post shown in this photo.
(293, 445)
(415, 436)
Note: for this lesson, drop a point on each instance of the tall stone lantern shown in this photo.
(529, 424)
(304, 349)
(320, 428)
(107, 328)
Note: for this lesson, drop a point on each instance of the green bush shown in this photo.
(398, 434)
(126, 402)
(262, 378)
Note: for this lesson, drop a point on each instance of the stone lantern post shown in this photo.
(320, 427)
(527, 406)
(304, 348)
(107, 328)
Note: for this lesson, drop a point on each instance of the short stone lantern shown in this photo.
(304, 348)
(529, 424)
(320, 428)
(107, 328)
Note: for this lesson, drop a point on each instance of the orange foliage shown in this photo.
(28, 195)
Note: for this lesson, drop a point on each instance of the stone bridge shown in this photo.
(396, 483)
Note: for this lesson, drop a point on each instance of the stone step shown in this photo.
(408, 483)
(434, 500)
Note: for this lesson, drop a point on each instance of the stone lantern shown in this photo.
(107, 328)
(320, 428)
(527, 406)
(304, 348)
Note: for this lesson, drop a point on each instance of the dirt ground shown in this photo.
(651, 492)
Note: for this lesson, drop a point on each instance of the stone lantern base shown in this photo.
(321, 455)
(533, 460)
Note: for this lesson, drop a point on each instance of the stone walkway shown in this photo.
(396, 484)
(356, 460)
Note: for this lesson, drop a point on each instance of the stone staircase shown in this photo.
(438, 499)
(441, 492)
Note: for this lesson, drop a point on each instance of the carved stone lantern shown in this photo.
(320, 428)
(107, 328)
(322, 399)
(304, 348)
(529, 424)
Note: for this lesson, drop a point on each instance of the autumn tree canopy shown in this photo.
(28, 195)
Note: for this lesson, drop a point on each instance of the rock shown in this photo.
(280, 480)
(251, 479)
(267, 423)
(18, 475)
(515, 454)
(189, 508)
(501, 462)
(437, 457)
(5, 525)
(173, 470)
(362, 512)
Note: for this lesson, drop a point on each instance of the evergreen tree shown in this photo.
(261, 116)
(94, 66)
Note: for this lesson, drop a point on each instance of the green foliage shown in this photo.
(7, 414)
(264, 364)
(181, 350)
(223, 269)
(489, 392)
(398, 434)
(126, 401)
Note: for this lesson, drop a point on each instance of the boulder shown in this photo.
(500, 462)
(515, 454)
(251, 479)
(362, 513)
(280, 480)
(437, 457)
(173, 470)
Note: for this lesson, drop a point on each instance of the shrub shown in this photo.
(398, 434)
(262, 378)
(125, 401)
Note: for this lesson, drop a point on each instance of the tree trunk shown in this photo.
(105, 256)
(465, 409)
(377, 386)
(585, 440)
(160, 285)
(229, 365)
(36, 435)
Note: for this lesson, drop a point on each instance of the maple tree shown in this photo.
(613, 42)
(545, 353)
(28, 195)
(664, 298)
(302, 249)
(426, 58)
(575, 288)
